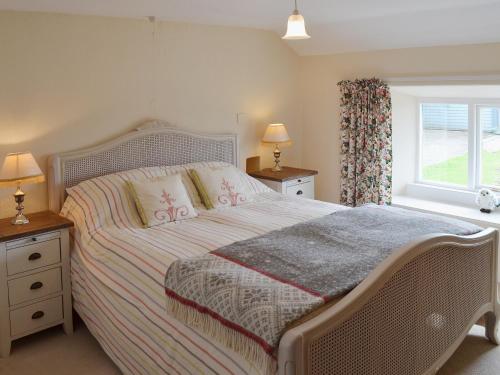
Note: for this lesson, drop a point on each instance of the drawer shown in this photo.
(34, 286)
(301, 180)
(29, 240)
(303, 190)
(25, 258)
(38, 315)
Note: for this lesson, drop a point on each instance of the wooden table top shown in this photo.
(288, 173)
(40, 222)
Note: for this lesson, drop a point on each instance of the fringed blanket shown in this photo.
(246, 294)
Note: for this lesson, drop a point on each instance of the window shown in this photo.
(460, 144)
(445, 143)
(489, 154)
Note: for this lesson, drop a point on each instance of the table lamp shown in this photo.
(276, 134)
(20, 168)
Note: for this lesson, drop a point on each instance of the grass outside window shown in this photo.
(454, 170)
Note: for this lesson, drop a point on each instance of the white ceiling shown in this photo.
(335, 25)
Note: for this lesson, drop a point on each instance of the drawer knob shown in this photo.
(300, 192)
(37, 315)
(33, 239)
(299, 180)
(35, 256)
(36, 285)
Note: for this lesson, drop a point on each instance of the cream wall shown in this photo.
(319, 77)
(72, 81)
(404, 140)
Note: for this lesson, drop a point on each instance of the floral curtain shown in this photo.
(366, 142)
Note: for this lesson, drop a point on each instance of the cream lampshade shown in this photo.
(20, 168)
(276, 134)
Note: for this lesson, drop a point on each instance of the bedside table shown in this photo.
(289, 181)
(35, 289)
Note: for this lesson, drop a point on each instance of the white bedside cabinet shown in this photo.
(290, 181)
(35, 289)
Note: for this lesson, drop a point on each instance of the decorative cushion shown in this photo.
(161, 200)
(220, 186)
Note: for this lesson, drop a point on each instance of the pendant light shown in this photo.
(296, 28)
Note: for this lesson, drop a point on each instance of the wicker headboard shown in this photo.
(154, 143)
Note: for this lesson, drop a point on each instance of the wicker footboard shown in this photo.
(407, 317)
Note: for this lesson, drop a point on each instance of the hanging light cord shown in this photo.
(295, 4)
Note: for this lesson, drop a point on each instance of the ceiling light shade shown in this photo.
(296, 28)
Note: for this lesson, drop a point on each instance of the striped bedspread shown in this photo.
(118, 271)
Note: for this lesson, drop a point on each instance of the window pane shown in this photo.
(490, 145)
(445, 143)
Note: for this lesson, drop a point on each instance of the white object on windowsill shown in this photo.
(463, 212)
(486, 200)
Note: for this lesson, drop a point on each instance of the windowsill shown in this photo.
(443, 194)
(463, 212)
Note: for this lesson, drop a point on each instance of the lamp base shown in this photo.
(277, 154)
(19, 219)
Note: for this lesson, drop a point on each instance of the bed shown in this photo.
(407, 317)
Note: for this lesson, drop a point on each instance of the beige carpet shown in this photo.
(51, 353)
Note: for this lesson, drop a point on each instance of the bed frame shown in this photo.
(407, 317)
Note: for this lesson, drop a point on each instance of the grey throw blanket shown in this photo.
(259, 286)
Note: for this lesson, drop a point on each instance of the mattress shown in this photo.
(118, 276)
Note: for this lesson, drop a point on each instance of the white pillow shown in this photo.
(161, 200)
(220, 186)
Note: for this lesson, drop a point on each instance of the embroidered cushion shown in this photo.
(220, 186)
(161, 200)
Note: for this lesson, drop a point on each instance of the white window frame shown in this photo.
(478, 171)
(474, 143)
